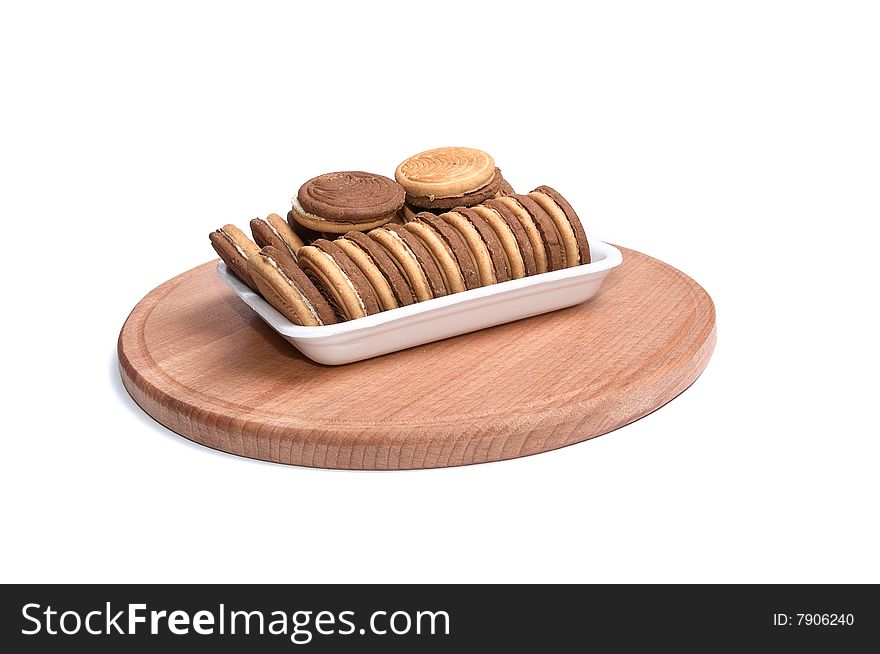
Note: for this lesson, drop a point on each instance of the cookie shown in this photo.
(438, 206)
(405, 259)
(516, 265)
(445, 178)
(390, 286)
(476, 246)
(445, 172)
(577, 248)
(490, 190)
(540, 229)
(340, 280)
(490, 238)
(287, 288)
(441, 253)
(235, 248)
(272, 230)
(337, 203)
(526, 249)
(423, 256)
(455, 242)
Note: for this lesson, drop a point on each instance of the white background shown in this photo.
(738, 142)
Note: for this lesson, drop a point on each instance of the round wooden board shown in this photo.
(199, 361)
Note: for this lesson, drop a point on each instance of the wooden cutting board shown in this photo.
(199, 361)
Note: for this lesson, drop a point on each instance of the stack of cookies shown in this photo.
(445, 178)
(357, 243)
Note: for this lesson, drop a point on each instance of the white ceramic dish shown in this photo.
(439, 318)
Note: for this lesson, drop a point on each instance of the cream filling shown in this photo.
(280, 237)
(234, 244)
(409, 251)
(348, 281)
(298, 208)
(296, 288)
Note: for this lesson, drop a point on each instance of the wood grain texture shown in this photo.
(199, 361)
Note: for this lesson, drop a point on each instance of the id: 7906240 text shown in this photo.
(813, 619)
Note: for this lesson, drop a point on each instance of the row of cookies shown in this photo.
(356, 274)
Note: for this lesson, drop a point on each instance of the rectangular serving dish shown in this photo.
(433, 320)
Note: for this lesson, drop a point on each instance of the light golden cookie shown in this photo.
(405, 259)
(510, 248)
(531, 227)
(288, 289)
(339, 278)
(577, 248)
(442, 254)
(523, 240)
(403, 293)
(445, 172)
(363, 260)
(457, 245)
(476, 247)
(493, 244)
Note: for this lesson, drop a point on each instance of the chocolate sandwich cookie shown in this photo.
(477, 249)
(526, 249)
(442, 254)
(390, 286)
(340, 280)
(444, 178)
(453, 239)
(493, 244)
(423, 256)
(577, 248)
(235, 248)
(272, 230)
(341, 202)
(288, 289)
(465, 200)
(539, 227)
(445, 172)
(408, 264)
(516, 265)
